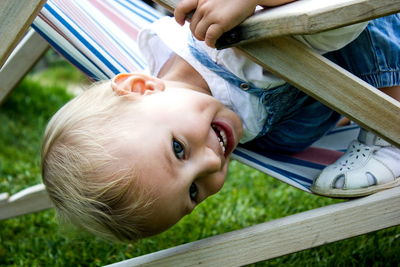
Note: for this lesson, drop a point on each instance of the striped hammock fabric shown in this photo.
(99, 38)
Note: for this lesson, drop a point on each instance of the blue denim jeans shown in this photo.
(296, 120)
(375, 55)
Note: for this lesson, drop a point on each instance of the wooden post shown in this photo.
(15, 18)
(21, 60)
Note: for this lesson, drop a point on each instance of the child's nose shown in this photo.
(211, 162)
(213, 183)
(211, 172)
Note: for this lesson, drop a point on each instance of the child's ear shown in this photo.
(136, 83)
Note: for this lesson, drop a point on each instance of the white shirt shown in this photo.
(164, 37)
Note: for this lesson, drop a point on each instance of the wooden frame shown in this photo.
(282, 236)
(31, 199)
(16, 59)
(21, 60)
(296, 232)
(15, 19)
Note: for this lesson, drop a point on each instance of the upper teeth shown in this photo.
(223, 140)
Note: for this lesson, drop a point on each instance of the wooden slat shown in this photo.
(31, 199)
(337, 88)
(282, 236)
(306, 17)
(3, 198)
(301, 17)
(15, 18)
(168, 4)
(21, 60)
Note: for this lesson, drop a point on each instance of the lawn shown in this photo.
(248, 197)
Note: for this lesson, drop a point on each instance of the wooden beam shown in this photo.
(282, 236)
(168, 4)
(21, 60)
(307, 17)
(15, 18)
(301, 17)
(328, 83)
(31, 199)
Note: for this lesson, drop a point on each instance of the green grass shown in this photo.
(249, 197)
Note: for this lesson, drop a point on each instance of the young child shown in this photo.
(130, 157)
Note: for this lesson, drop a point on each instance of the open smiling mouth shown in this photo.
(224, 136)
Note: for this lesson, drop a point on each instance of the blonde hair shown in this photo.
(81, 173)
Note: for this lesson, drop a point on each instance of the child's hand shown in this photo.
(212, 18)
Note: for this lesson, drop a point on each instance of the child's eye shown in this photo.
(178, 149)
(193, 191)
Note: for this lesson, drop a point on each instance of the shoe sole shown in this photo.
(353, 193)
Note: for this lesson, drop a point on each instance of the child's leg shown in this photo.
(370, 164)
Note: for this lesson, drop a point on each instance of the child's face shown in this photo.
(181, 142)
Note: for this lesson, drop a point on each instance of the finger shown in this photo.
(214, 31)
(201, 29)
(196, 19)
(183, 9)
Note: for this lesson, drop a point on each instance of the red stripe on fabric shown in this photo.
(318, 155)
(50, 23)
(83, 20)
(117, 18)
(57, 29)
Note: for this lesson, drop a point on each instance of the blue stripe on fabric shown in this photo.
(288, 174)
(66, 55)
(289, 159)
(132, 56)
(116, 42)
(83, 41)
(140, 7)
(295, 161)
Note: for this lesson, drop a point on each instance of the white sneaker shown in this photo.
(369, 165)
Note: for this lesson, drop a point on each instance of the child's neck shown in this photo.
(176, 69)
